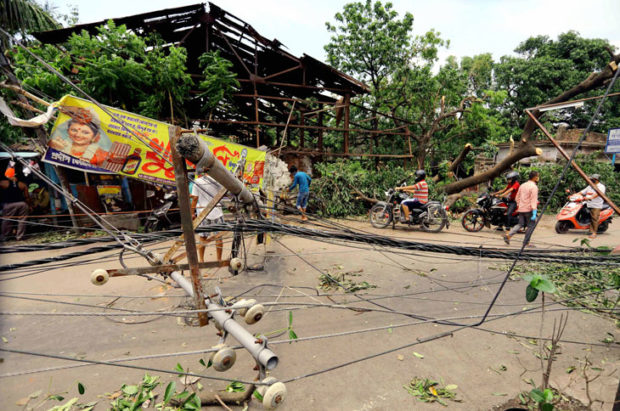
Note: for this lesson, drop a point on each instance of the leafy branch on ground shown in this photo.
(335, 278)
(595, 289)
(428, 390)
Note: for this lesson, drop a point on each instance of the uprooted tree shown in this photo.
(525, 147)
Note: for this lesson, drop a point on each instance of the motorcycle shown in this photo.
(575, 216)
(160, 218)
(431, 217)
(490, 211)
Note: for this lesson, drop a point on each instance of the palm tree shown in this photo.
(22, 17)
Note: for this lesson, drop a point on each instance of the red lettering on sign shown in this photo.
(225, 155)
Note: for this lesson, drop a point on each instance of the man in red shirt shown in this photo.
(527, 204)
(418, 191)
(511, 191)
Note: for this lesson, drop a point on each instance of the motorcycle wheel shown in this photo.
(435, 220)
(473, 221)
(380, 216)
(562, 227)
(603, 226)
(151, 226)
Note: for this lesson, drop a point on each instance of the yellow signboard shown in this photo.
(84, 137)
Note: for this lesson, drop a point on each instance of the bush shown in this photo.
(549, 174)
(334, 187)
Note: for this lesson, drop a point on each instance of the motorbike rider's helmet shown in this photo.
(512, 176)
(596, 177)
(420, 175)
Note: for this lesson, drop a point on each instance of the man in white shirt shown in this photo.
(203, 191)
(594, 202)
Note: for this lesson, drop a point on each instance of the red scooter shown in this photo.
(575, 216)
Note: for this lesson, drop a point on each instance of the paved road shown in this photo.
(487, 367)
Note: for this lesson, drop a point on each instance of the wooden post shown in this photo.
(182, 183)
(347, 109)
(302, 131)
(320, 142)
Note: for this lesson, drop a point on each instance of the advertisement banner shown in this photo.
(87, 139)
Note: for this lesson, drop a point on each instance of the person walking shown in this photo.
(16, 205)
(303, 180)
(594, 202)
(527, 204)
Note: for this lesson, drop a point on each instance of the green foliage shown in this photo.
(593, 288)
(219, 82)
(335, 186)
(573, 182)
(134, 397)
(544, 68)
(536, 283)
(116, 67)
(235, 386)
(544, 398)
(427, 390)
(24, 17)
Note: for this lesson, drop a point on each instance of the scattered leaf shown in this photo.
(418, 355)
(400, 357)
(81, 388)
(500, 394)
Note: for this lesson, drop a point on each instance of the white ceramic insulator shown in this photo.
(246, 305)
(254, 314)
(99, 276)
(224, 359)
(274, 396)
(236, 264)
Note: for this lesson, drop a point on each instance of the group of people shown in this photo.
(524, 198)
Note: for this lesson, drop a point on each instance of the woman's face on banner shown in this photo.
(81, 134)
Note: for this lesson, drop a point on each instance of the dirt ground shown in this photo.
(488, 366)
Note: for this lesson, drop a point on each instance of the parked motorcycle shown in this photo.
(490, 211)
(431, 217)
(575, 216)
(161, 217)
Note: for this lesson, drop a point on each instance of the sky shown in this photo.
(472, 26)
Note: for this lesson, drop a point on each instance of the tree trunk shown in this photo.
(525, 150)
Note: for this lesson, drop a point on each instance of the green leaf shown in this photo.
(547, 407)
(537, 395)
(545, 286)
(56, 397)
(417, 354)
(202, 362)
(81, 388)
(530, 293)
(257, 395)
(548, 394)
(179, 368)
(170, 390)
(130, 389)
(292, 335)
(290, 319)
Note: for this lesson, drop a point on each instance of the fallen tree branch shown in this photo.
(526, 148)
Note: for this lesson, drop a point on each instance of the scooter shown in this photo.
(575, 216)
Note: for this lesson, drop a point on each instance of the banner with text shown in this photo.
(86, 138)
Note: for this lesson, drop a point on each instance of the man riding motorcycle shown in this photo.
(418, 191)
(510, 191)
